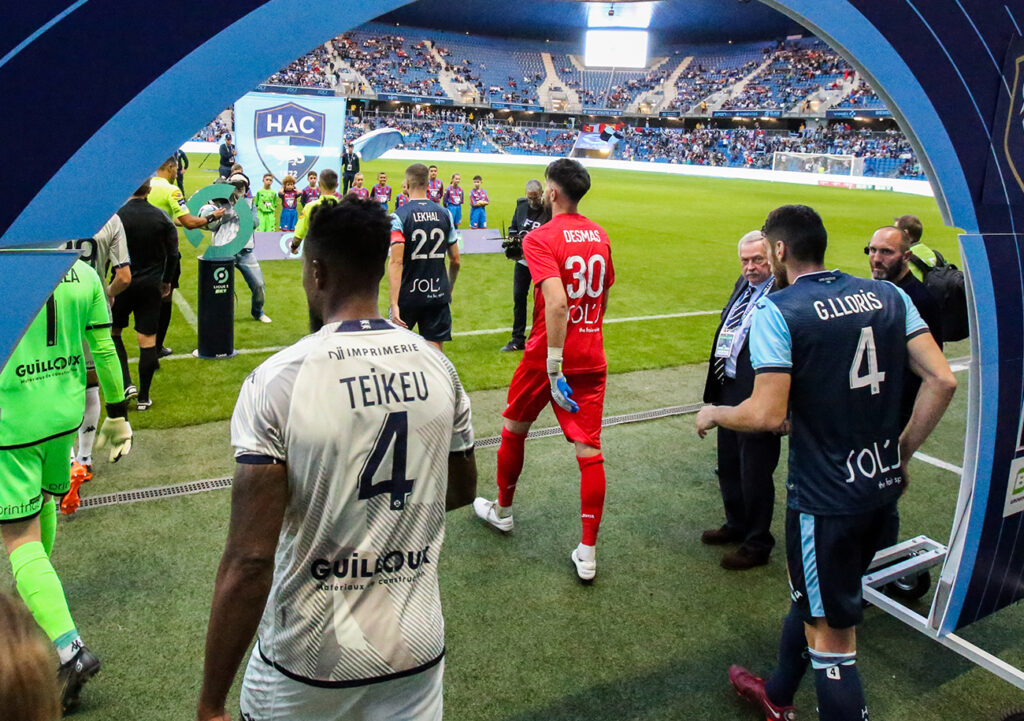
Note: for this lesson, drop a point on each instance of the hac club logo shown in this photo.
(288, 139)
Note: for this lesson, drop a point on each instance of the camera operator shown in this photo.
(531, 212)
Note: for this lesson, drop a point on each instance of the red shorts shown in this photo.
(530, 391)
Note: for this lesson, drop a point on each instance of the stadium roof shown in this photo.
(673, 21)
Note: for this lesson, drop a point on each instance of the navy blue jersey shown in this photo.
(428, 230)
(843, 339)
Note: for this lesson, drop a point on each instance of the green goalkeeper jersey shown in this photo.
(42, 387)
(265, 201)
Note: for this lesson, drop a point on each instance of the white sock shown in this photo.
(502, 511)
(66, 653)
(586, 553)
(87, 431)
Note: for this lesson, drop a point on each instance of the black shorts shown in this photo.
(176, 274)
(434, 322)
(143, 301)
(828, 555)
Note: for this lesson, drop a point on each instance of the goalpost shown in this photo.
(818, 163)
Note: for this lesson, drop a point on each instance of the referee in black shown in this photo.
(152, 247)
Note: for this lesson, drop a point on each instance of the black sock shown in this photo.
(122, 356)
(781, 686)
(840, 694)
(147, 367)
(165, 321)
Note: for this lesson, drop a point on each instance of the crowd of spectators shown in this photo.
(389, 65)
(214, 129)
(861, 96)
(315, 69)
(794, 72)
(705, 78)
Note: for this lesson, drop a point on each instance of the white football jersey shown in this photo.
(107, 248)
(364, 414)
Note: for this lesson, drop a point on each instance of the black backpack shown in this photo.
(946, 283)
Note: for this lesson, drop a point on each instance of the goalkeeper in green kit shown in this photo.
(42, 401)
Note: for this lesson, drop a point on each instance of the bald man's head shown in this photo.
(888, 253)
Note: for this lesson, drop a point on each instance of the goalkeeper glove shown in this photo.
(117, 431)
(560, 390)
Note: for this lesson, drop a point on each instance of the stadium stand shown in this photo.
(712, 72)
(795, 71)
(862, 97)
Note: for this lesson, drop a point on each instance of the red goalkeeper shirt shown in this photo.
(577, 250)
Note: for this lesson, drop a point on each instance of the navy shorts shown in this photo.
(142, 301)
(828, 555)
(433, 322)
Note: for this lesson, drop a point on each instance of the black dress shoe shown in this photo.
(741, 559)
(512, 345)
(719, 537)
(164, 352)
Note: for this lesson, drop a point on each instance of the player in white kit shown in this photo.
(350, 446)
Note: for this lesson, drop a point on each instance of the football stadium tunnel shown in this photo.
(126, 86)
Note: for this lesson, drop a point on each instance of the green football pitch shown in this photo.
(655, 634)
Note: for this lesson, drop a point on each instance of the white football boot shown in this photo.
(585, 569)
(488, 511)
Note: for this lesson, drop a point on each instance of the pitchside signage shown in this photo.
(859, 113)
(284, 135)
(516, 106)
(747, 114)
(404, 98)
(295, 90)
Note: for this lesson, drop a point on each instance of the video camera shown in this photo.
(513, 244)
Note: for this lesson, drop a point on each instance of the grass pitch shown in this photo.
(652, 639)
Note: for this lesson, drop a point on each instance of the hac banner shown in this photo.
(288, 135)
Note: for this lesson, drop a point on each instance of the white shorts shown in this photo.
(269, 695)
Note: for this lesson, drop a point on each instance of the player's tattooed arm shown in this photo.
(259, 497)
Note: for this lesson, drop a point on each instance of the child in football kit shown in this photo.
(478, 202)
(289, 203)
(564, 363)
(453, 199)
(266, 205)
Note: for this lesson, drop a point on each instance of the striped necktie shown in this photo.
(733, 322)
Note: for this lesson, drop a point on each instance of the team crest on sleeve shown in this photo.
(289, 138)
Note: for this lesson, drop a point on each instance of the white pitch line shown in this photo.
(191, 317)
(186, 310)
(939, 463)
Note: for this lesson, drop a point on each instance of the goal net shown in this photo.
(818, 163)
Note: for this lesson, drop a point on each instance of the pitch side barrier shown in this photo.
(898, 185)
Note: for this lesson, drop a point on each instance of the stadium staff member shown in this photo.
(153, 246)
(888, 253)
(309, 550)
(420, 288)
(349, 168)
(328, 195)
(227, 156)
(571, 265)
(831, 348)
(168, 198)
(911, 224)
(530, 213)
(182, 157)
(42, 398)
(746, 461)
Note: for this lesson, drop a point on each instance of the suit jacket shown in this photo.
(744, 371)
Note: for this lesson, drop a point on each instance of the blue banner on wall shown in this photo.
(288, 136)
(747, 114)
(403, 98)
(669, 114)
(516, 106)
(294, 90)
(859, 113)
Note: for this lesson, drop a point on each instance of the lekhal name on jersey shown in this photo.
(426, 217)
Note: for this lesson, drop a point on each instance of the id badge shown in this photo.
(724, 346)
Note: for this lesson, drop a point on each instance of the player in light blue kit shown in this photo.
(831, 348)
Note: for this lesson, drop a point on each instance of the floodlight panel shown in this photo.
(619, 15)
(616, 49)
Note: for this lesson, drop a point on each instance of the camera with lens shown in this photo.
(513, 245)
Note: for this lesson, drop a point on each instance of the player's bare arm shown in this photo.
(395, 265)
(461, 479)
(765, 410)
(556, 319)
(259, 497)
(937, 387)
(454, 264)
(122, 279)
(192, 222)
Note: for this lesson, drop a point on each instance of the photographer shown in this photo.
(531, 212)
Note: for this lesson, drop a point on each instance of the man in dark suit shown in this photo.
(227, 156)
(349, 168)
(746, 461)
(889, 253)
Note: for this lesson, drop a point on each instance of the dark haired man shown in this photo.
(328, 196)
(349, 167)
(227, 155)
(831, 348)
(564, 364)
(351, 546)
(912, 226)
(422, 236)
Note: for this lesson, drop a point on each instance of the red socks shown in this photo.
(592, 485)
(510, 465)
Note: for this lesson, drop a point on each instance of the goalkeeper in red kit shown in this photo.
(564, 364)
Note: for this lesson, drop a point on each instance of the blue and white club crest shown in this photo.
(289, 138)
